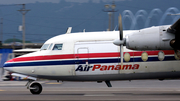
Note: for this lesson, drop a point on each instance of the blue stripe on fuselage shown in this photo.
(90, 61)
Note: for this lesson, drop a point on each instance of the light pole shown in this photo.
(110, 9)
(23, 12)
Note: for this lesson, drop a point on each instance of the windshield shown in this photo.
(50, 46)
(44, 47)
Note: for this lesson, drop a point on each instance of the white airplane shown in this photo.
(150, 53)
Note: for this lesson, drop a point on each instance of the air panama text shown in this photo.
(107, 67)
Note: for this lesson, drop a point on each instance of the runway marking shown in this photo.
(53, 83)
(1, 90)
(99, 95)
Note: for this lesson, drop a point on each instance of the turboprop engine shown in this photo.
(154, 38)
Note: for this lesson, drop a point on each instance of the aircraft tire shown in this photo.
(38, 88)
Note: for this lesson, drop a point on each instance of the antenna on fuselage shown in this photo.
(69, 30)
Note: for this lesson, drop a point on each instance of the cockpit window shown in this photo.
(57, 47)
(44, 47)
(50, 46)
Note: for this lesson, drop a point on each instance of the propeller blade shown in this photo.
(121, 47)
(121, 38)
(120, 27)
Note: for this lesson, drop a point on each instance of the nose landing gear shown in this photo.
(34, 87)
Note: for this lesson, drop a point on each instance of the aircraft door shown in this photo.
(96, 57)
(82, 57)
(84, 54)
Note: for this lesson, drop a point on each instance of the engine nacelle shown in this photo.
(153, 38)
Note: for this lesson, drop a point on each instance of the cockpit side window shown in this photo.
(44, 47)
(57, 47)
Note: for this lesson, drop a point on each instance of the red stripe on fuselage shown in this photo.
(90, 55)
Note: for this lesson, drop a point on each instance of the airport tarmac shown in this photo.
(143, 90)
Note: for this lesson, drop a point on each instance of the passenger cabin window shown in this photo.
(57, 47)
(44, 47)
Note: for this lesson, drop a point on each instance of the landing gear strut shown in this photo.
(34, 87)
(108, 83)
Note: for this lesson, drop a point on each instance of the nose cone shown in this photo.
(7, 65)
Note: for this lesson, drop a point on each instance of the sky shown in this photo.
(48, 18)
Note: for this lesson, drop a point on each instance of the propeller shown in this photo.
(121, 38)
(121, 41)
(174, 43)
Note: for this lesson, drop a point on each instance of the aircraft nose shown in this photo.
(7, 65)
(7, 68)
